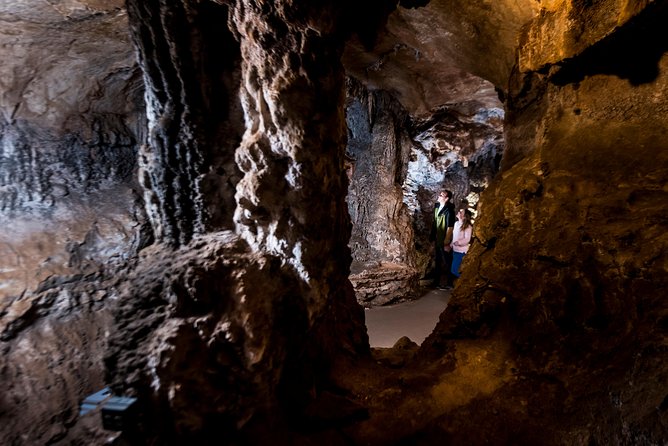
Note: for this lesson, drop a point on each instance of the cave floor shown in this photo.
(415, 319)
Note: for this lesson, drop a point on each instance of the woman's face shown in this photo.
(460, 215)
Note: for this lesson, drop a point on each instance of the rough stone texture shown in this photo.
(384, 283)
(570, 271)
(442, 52)
(636, 47)
(71, 119)
(212, 338)
(252, 311)
(187, 168)
(565, 29)
(383, 269)
(291, 154)
(52, 345)
(204, 336)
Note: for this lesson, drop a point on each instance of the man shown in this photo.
(441, 233)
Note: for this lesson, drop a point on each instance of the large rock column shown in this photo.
(382, 243)
(291, 197)
(229, 322)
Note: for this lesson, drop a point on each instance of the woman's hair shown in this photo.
(466, 221)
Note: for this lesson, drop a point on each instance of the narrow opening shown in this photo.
(399, 163)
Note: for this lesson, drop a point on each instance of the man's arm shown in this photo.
(448, 239)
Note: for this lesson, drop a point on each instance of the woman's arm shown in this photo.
(466, 236)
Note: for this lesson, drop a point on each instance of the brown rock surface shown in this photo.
(70, 121)
(444, 52)
(52, 346)
(570, 267)
(68, 139)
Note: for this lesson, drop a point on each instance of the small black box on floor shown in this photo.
(119, 413)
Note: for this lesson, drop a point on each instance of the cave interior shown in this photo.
(200, 198)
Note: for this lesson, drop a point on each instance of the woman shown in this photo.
(461, 237)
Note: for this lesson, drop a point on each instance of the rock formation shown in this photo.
(255, 314)
(382, 241)
(72, 115)
(398, 164)
(72, 119)
(570, 265)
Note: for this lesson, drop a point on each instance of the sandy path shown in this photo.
(415, 319)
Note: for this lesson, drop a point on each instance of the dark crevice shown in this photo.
(664, 404)
(408, 4)
(632, 52)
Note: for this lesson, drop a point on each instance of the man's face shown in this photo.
(442, 197)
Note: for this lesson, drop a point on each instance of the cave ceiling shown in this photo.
(447, 52)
